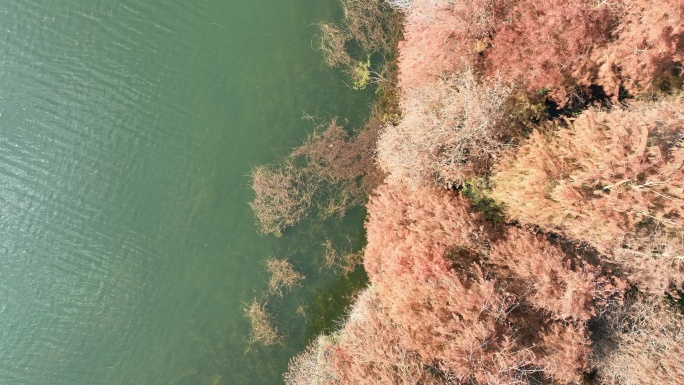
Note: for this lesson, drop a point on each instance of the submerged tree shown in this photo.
(283, 275)
(283, 196)
(368, 27)
(263, 330)
(331, 172)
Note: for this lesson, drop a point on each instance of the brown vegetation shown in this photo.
(449, 131)
(263, 331)
(544, 41)
(331, 171)
(460, 297)
(645, 47)
(409, 231)
(346, 261)
(639, 342)
(343, 162)
(562, 47)
(366, 351)
(283, 196)
(283, 275)
(369, 351)
(545, 276)
(422, 257)
(312, 366)
(443, 37)
(368, 26)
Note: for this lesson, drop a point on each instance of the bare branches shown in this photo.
(263, 331)
(283, 196)
(283, 275)
(449, 131)
(640, 342)
(369, 26)
(331, 172)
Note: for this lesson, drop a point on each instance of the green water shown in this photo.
(127, 131)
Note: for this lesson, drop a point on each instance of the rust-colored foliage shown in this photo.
(442, 37)
(556, 46)
(646, 43)
(433, 314)
(463, 325)
(640, 342)
(365, 351)
(370, 352)
(481, 333)
(452, 301)
(613, 179)
(409, 230)
(423, 245)
(544, 41)
(544, 275)
(337, 157)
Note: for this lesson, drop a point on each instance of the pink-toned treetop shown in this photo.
(409, 231)
(646, 43)
(543, 274)
(442, 37)
(560, 47)
(544, 41)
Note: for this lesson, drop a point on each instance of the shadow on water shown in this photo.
(331, 303)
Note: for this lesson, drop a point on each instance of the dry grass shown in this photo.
(283, 275)
(263, 331)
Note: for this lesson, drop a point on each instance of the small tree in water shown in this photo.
(283, 275)
(263, 331)
(283, 197)
(331, 171)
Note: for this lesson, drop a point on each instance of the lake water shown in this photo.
(127, 133)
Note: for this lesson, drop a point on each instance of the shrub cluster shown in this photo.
(560, 280)
(450, 131)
